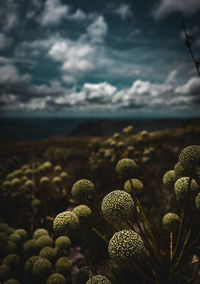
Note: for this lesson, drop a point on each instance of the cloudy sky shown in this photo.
(98, 58)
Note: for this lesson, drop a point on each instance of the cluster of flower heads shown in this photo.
(184, 179)
(41, 258)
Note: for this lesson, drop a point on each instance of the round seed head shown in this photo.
(169, 179)
(137, 186)
(57, 169)
(11, 260)
(48, 253)
(40, 232)
(31, 247)
(42, 268)
(57, 181)
(189, 157)
(83, 190)
(65, 223)
(44, 241)
(64, 176)
(126, 247)
(63, 265)
(63, 242)
(171, 221)
(28, 267)
(44, 181)
(15, 238)
(181, 188)
(56, 278)
(179, 171)
(4, 272)
(84, 274)
(126, 168)
(117, 206)
(22, 233)
(83, 213)
(197, 201)
(98, 279)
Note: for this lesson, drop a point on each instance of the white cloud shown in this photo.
(165, 7)
(75, 56)
(98, 29)
(124, 11)
(79, 15)
(191, 87)
(54, 11)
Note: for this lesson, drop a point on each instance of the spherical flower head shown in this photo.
(29, 184)
(12, 260)
(136, 186)
(117, 206)
(65, 223)
(56, 278)
(130, 149)
(12, 281)
(144, 133)
(17, 173)
(44, 181)
(116, 135)
(3, 227)
(126, 247)
(83, 190)
(15, 182)
(11, 247)
(171, 221)
(98, 279)
(4, 272)
(126, 168)
(28, 173)
(120, 145)
(44, 241)
(63, 265)
(22, 233)
(28, 267)
(25, 167)
(197, 201)
(189, 157)
(84, 274)
(179, 171)
(169, 179)
(83, 213)
(64, 176)
(47, 165)
(57, 169)
(48, 253)
(40, 232)
(128, 129)
(42, 268)
(57, 181)
(181, 188)
(36, 203)
(6, 185)
(15, 238)
(31, 247)
(63, 242)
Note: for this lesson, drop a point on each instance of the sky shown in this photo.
(98, 58)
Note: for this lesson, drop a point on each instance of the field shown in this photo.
(124, 207)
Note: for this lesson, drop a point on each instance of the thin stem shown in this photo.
(99, 234)
(188, 44)
(182, 250)
(171, 245)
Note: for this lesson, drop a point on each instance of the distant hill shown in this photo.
(109, 127)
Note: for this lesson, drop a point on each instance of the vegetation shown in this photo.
(120, 209)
